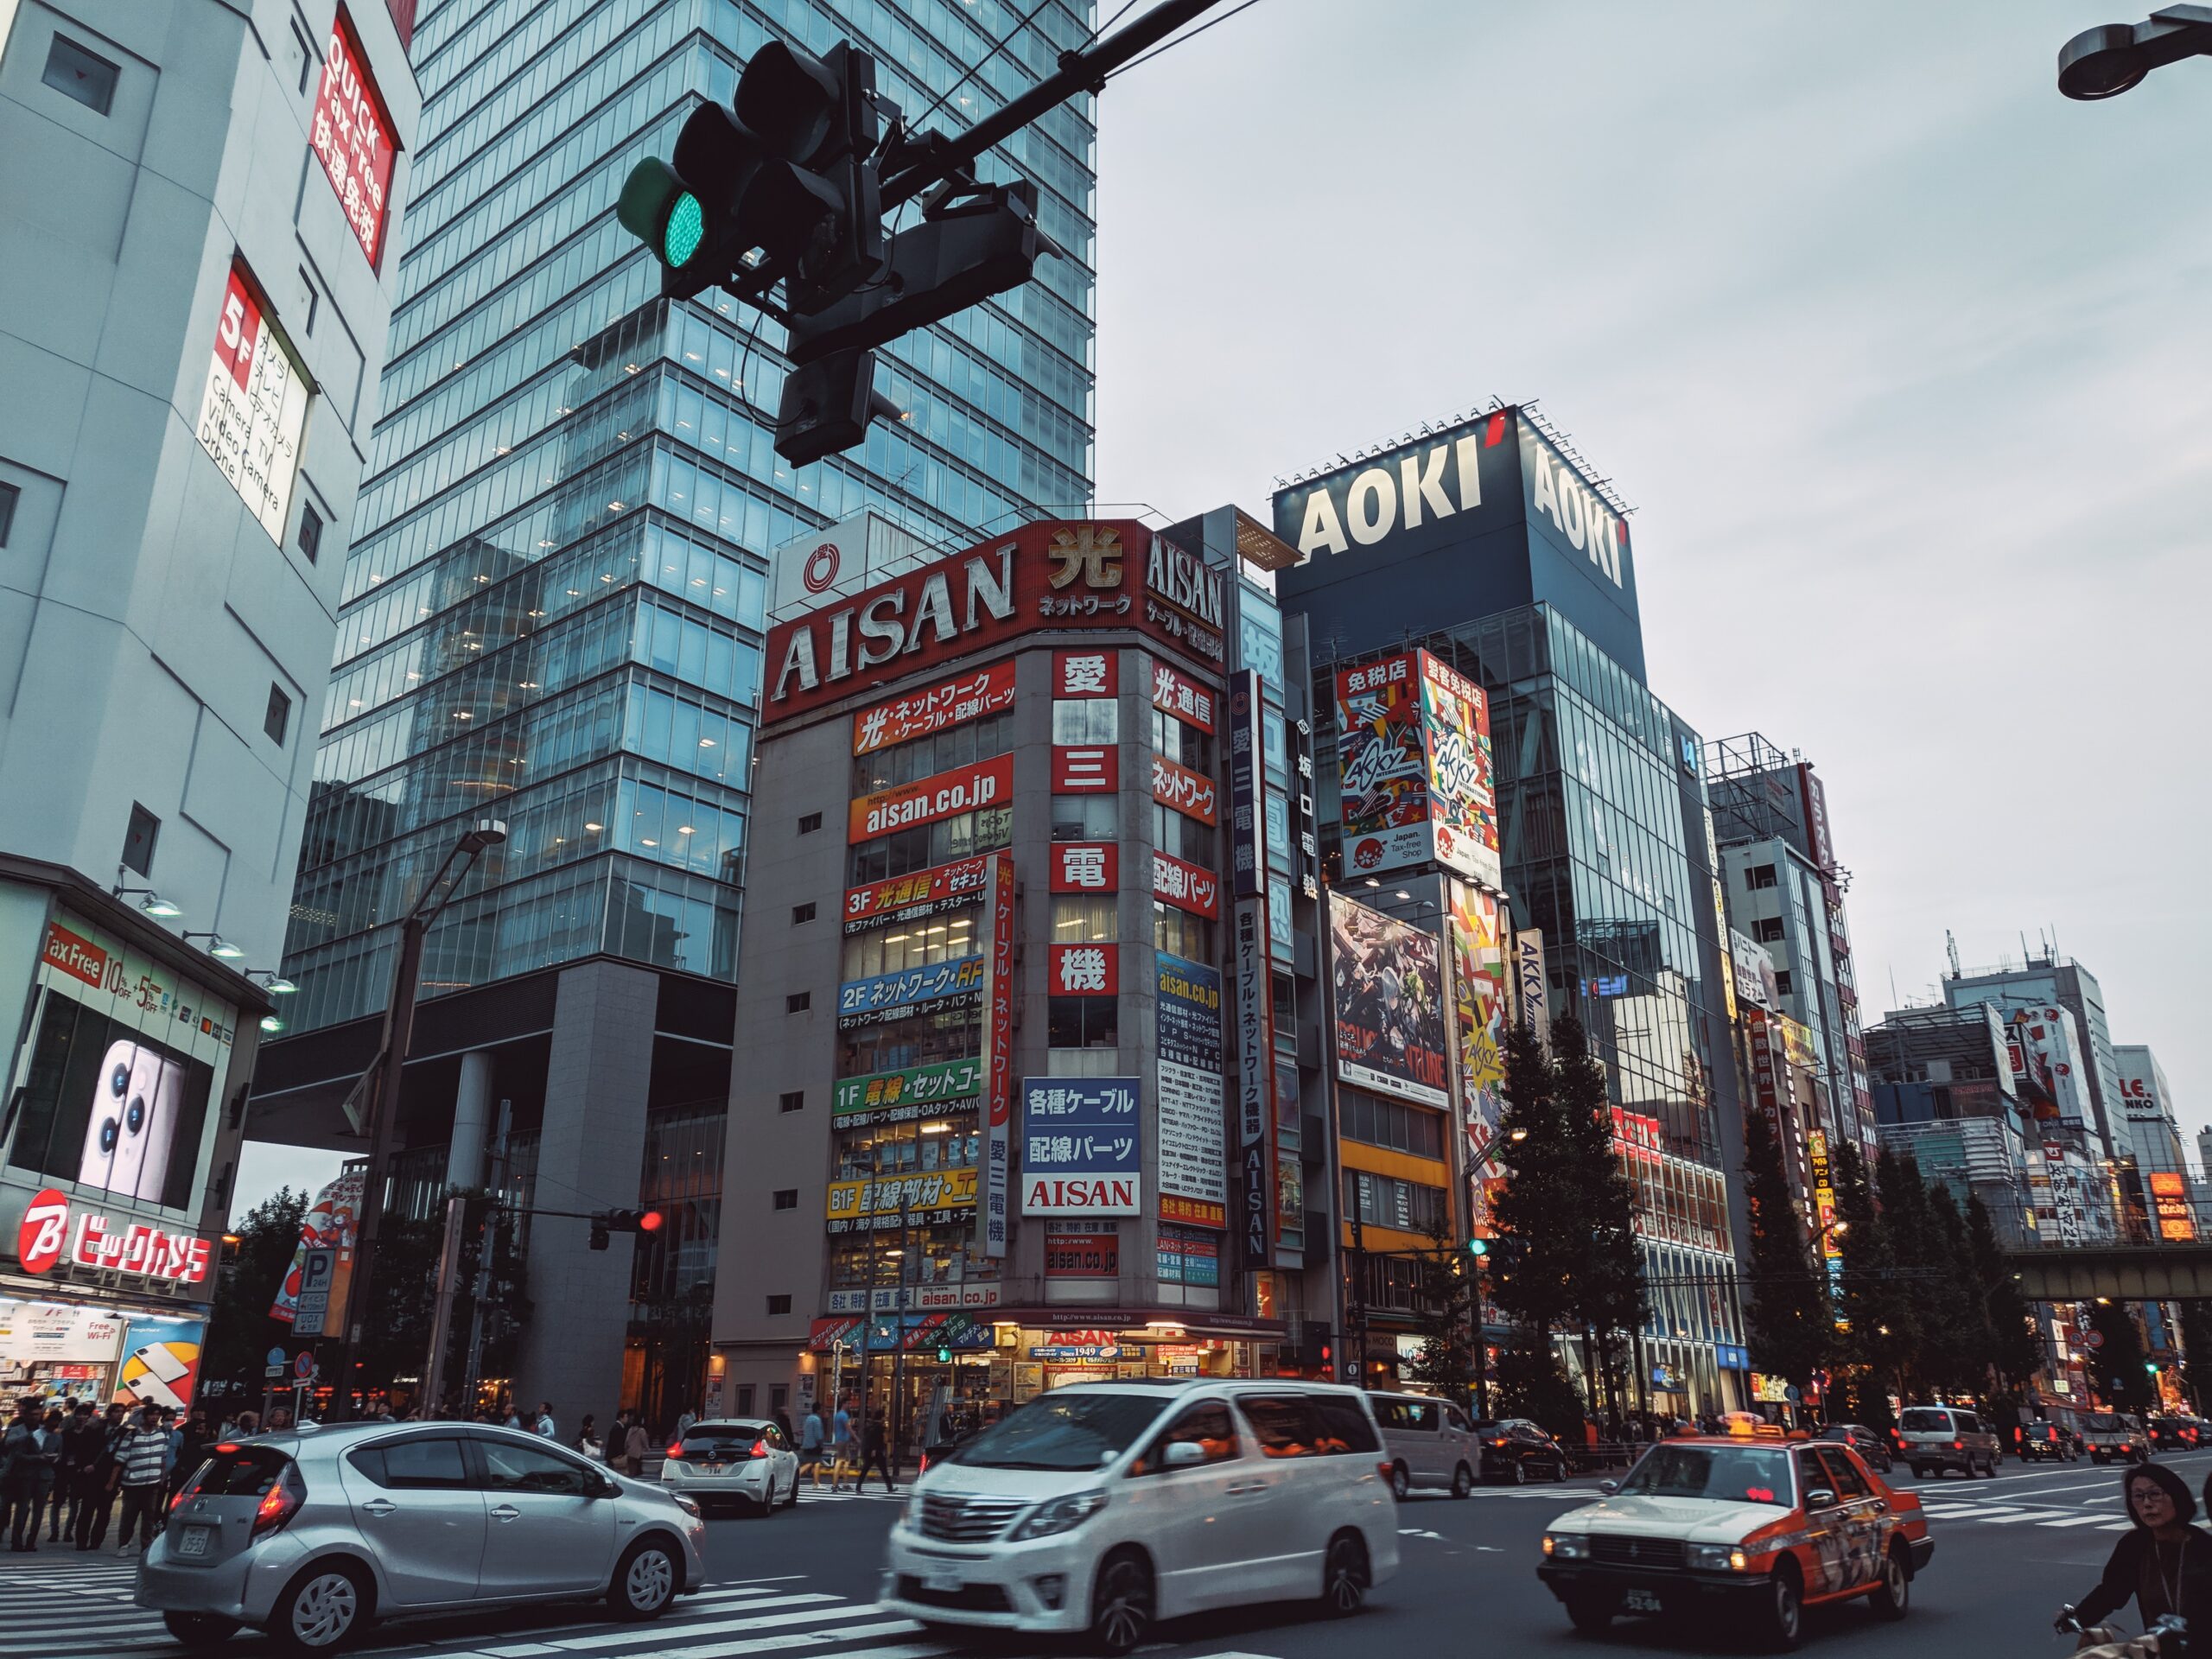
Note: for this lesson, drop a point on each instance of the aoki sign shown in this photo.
(49, 1233)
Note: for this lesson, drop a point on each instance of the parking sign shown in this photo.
(319, 1267)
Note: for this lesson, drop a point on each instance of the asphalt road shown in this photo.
(2008, 1552)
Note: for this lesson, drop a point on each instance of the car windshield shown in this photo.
(1734, 1474)
(2103, 1423)
(1924, 1420)
(1065, 1431)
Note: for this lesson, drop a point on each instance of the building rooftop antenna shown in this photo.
(1951, 949)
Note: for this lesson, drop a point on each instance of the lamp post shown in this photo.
(2107, 61)
(375, 1100)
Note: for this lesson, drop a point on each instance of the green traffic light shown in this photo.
(686, 229)
(1477, 1247)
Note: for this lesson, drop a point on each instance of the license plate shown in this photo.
(940, 1578)
(1640, 1601)
(713, 1468)
(194, 1540)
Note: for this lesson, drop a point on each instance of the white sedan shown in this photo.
(734, 1458)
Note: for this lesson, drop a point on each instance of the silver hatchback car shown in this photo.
(311, 1533)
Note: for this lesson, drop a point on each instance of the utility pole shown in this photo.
(377, 1095)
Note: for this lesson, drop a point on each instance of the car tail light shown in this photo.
(1958, 1446)
(925, 1469)
(1385, 1469)
(280, 1502)
(675, 1452)
(760, 1448)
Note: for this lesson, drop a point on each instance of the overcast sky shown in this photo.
(1904, 360)
(1901, 357)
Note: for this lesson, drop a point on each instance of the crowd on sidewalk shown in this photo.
(64, 1470)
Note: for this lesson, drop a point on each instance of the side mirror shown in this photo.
(1819, 1498)
(1609, 1487)
(607, 1486)
(1182, 1454)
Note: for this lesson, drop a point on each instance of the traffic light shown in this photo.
(606, 1222)
(1317, 1350)
(944, 1353)
(782, 181)
(1479, 1248)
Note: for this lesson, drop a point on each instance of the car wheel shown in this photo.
(1517, 1472)
(645, 1580)
(1401, 1482)
(200, 1630)
(1345, 1576)
(790, 1498)
(1919, 1471)
(321, 1607)
(1591, 1615)
(1122, 1603)
(1783, 1622)
(1463, 1481)
(1892, 1597)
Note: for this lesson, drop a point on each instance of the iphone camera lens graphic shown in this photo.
(135, 1116)
(108, 1134)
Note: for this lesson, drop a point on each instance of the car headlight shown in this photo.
(1566, 1545)
(1060, 1514)
(688, 1505)
(1716, 1558)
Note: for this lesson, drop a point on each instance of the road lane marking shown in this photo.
(2073, 1520)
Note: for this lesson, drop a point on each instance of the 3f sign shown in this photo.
(1377, 504)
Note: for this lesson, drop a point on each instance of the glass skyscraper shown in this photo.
(555, 603)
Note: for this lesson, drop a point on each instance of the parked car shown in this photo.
(740, 1459)
(1516, 1451)
(312, 1534)
(2116, 1437)
(1863, 1440)
(1741, 1527)
(1430, 1444)
(2174, 1434)
(1935, 1438)
(1108, 1506)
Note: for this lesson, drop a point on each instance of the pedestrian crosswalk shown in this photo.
(2102, 1518)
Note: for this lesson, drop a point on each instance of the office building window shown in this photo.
(73, 72)
(1082, 1022)
(780, 1305)
(1084, 817)
(809, 822)
(138, 839)
(792, 1100)
(1086, 720)
(798, 1001)
(277, 722)
(1077, 919)
(1767, 929)
(801, 912)
(8, 493)
(310, 531)
(1760, 875)
(1784, 983)
(787, 1198)
(1388, 1124)
(1181, 934)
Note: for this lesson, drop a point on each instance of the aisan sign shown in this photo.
(1048, 577)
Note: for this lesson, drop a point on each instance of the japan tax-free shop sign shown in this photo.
(253, 414)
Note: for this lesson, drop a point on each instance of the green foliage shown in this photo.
(2116, 1363)
(1876, 1300)
(1790, 1324)
(241, 1332)
(1530, 1383)
(1447, 1360)
(2196, 1321)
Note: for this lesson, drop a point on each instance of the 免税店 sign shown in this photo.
(946, 795)
(93, 1239)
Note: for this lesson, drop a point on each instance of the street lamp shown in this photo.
(373, 1105)
(2105, 62)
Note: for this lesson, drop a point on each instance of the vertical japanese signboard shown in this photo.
(352, 135)
(254, 411)
(998, 990)
(1531, 982)
(1477, 962)
(1192, 1183)
(1256, 1069)
(1247, 865)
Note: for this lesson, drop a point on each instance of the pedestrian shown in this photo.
(810, 1445)
(783, 1422)
(841, 1448)
(30, 1452)
(617, 1443)
(634, 1445)
(82, 1443)
(143, 1456)
(192, 1451)
(544, 1424)
(683, 1422)
(588, 1443)
(876, 1451)
(97, 1503)
(2162, 1562)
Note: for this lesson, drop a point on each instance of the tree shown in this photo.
(1789, 1322)
(2116, 1360)
(2196, 1323)
(1533, 1217)
(1606, 1289)
(2015, 1350)
(1445, 1324)
(1880, 1330)
(241, 1332)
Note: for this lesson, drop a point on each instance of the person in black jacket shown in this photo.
(2164, 1564)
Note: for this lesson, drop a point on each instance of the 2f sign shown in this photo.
(1377, 502)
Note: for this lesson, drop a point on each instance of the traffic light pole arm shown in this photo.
(1083, 71)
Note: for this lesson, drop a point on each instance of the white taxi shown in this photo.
(1735, 1525)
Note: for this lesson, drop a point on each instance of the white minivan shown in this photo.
(1108, 1507)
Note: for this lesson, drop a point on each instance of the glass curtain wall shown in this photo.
(555, 610)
